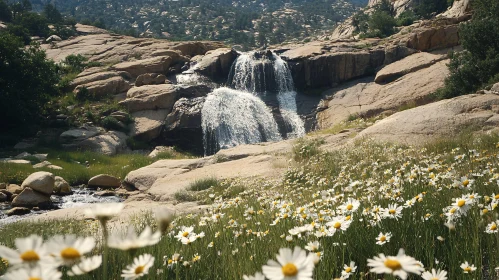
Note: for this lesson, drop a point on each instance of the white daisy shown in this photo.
(434, 275)
(462, 204)
(312, 246)
(30, 250)
(290, 265)
(133, 241)
(33, 272)
(383, 238)
(492, 227)
(348, 270)
(338, 223)
(467, 268)
(400, 265)
(104, 211)
(392, 212)
(350, 206)
(86, 265)
(69, 249)
(138, 268)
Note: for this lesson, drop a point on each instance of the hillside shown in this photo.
(249, 23)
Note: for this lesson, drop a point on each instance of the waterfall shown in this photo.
(239, 115)
(231, 117)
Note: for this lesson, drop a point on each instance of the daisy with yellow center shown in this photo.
(467, 268)
(383, 238)
(133, 241)
(392, 212)
(348, 270)
(86, 265)
(350, 206)
(30, 250)
(69, 249)
(291, 264)
(338, 223)
(462, 204)
(138, 268)
(400, 265)
(33, 273)
(434, 275)
(492, 227)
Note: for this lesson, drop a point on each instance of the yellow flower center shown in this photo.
(185, 234)
(348, 270)
(30, 256)
(347, 218)
(467, 269)
(70, 253)
(393, 264)
(35, 278)
(392, 211)
(493, 227)
(466, 182)
(382, 238)
(337, 225)
(289, 270)
(139, 269)
(349, 207)
(453, 210)
(497, 196)
(461, 203)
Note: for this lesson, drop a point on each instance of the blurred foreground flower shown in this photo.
(290, 265)
(400, 265)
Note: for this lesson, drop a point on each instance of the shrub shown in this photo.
(477, 66)
(111, 123)
(27, 80)
(203, 184)
(406, 18)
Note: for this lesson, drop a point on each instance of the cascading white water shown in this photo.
(231, 117)
(287, 98)
(237, 116)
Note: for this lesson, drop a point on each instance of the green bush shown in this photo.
(111, 123)
(203, 184)
(381, 24)
(28, 81)
(478, 65)
(406, 18)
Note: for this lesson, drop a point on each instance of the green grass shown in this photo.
(239, 241)
(203, 184)
(76, 172)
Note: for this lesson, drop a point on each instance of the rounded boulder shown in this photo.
(42, 182)
(104, 181)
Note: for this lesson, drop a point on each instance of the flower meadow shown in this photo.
(366, 211)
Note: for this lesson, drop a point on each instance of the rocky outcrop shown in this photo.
(94, 74)
(407, 65)
(42, 182)
(159, 65)
(148, 124)
(461, 9)
(216, 64)
(183, 125)
(445, 118)
(365, 98)
(150, 79)
(102, 88)
(151, 97)
(109, 143)
(434, 38)
(104, 181)
(80, 134)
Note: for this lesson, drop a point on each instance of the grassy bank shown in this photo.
(359, 186)
(79, 167)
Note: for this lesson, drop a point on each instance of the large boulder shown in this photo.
(18, 211)
(97, 74)
(109, 143)
(14, 189)
(433, 38)
(216, 64)
(30, 198)
(150, 79)
(100, 88)
(148, 124)
(441, 119)
(104, 181)
(80, 134)
(150, 97)
(155, 97)
(158, 64)
(61, 187)
(365, 98)
(42, 182)
(183, 125)
(407, 65)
